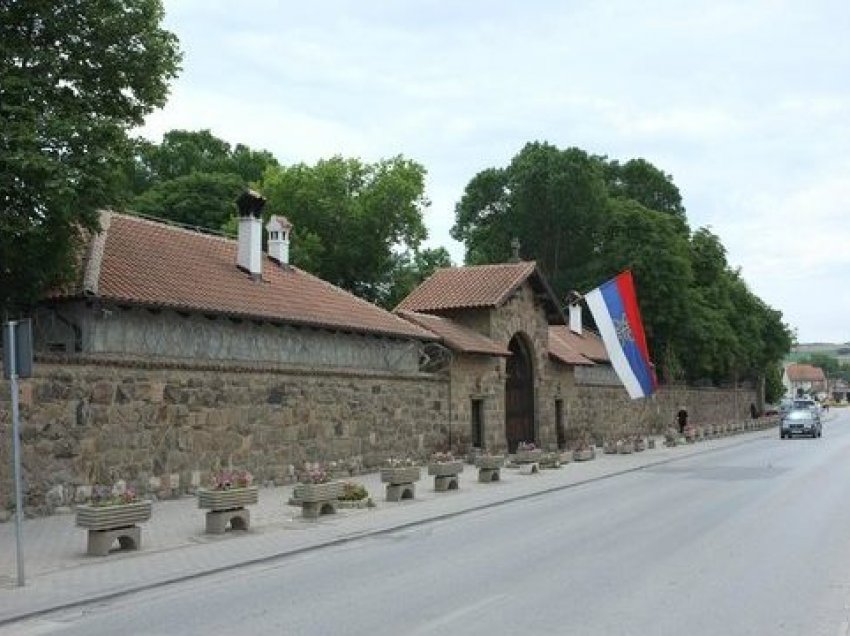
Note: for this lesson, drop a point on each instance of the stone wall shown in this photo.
(478, 377)
(160, 428)
(607, 412)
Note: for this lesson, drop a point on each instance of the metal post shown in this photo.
(16, 442)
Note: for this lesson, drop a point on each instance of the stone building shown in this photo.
(177, 352)
(515, 359)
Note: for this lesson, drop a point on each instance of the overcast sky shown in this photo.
(746, 104)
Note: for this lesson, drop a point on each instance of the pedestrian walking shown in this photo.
(682, 418)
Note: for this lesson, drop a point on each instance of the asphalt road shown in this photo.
(753, 539)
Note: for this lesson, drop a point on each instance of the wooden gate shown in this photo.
(519, 395)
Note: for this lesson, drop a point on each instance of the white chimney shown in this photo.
(574, 300)
(249, 249)
(279, 229)
(575, 318)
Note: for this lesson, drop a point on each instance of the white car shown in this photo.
(807, 403)
(800, 422)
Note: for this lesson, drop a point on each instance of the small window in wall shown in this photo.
(477, 424)
(560, 425)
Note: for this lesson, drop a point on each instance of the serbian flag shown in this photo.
(615, 311)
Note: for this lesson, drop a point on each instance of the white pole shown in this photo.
(16, 442)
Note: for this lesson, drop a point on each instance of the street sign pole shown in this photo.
(16, 436)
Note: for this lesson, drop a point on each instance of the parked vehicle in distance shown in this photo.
(800, 422)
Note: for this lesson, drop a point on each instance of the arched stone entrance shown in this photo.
(519, 394)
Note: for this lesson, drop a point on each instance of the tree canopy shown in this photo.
(544, 192)
(75, 76)
(585, 218)
(192, 177)
(352, 219)
(357, 225)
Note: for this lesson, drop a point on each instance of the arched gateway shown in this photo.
(519, 394)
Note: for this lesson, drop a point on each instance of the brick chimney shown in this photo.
(279, 229)
(249, 250)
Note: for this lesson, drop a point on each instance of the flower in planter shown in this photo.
(103, 495)
(441, 458)
(526, 446)
(394, 462)
(314, 474)
(352, 491)
(228, 479)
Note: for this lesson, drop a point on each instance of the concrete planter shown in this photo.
(625, 447)
(550, 460)
(525, 456)
(355, 504)
(108, 524)
(490, 462)
(315, 493)
(401, 475)
(584, 455)
(110, 517)
(640, 445)
(445, 469)
(227, 499)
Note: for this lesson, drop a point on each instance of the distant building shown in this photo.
(840, 391)
(800, 379)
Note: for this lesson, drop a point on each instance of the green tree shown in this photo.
(411, 270)
(649, 244)
(552, 200)
(640, 181)
(351, 219)
(75, 76)
(584, 219)
(710, 339)
(773, 387)
(183, 152)
(193, 177)
(202, 199)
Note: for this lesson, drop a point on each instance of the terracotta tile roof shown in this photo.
(139, 261)
(805, 373)
(465, 287)
(588, 345)
(456, 336)
(563, 352)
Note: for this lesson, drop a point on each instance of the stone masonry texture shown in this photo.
(161, 425)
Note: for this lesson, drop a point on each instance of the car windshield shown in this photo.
(799, 415)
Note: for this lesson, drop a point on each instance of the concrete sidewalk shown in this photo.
(59, 574)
